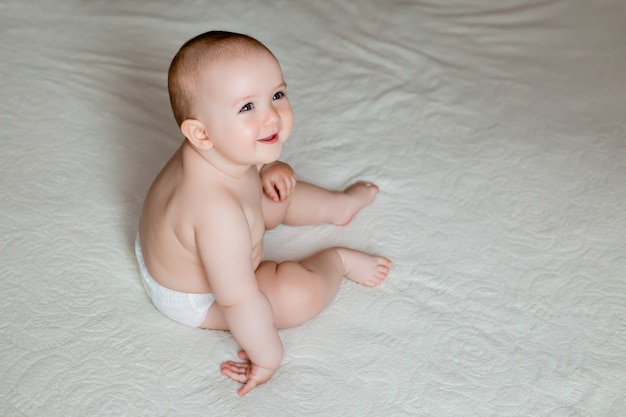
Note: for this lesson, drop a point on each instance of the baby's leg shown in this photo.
(299, 291)
(310, 204)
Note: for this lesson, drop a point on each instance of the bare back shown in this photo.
(185, 194)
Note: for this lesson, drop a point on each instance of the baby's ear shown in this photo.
(195, 132)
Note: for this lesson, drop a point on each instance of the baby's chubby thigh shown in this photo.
(293, 292)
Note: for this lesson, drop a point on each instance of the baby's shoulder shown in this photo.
(212, 200)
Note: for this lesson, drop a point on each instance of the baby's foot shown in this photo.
(359, 195)
(363, 268)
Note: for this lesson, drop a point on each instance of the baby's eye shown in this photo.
(247, 107)
(278, 95)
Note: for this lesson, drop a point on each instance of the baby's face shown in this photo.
(245, 108)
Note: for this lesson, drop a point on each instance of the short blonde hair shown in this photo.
(182, 78)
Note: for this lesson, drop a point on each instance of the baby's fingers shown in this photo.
(235, 371)
(250, 384)
(293, 180)
(286, 187)
(271, 191)
(282, 190)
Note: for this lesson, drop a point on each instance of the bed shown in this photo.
(495, 130)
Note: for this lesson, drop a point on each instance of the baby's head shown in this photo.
(228, 95)
(186, 69)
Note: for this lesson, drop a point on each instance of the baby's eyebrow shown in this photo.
(282, 85)
(245, 99)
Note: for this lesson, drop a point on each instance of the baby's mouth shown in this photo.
(270, 139)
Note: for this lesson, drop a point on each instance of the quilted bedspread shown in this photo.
(495, 130)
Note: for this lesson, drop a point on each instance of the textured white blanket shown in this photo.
(496, 131)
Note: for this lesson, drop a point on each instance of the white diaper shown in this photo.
(188, 309)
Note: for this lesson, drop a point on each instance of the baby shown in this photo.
(200, 240)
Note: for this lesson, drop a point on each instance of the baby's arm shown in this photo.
(278, 179)
(225, 247)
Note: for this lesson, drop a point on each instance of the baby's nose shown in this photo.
(271, 116)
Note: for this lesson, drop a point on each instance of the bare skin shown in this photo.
(205, 215)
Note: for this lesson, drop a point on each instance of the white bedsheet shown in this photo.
(496, 131)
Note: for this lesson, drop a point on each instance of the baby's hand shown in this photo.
(278, 179)
(247, 373)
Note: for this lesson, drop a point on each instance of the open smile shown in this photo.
(270, 139)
